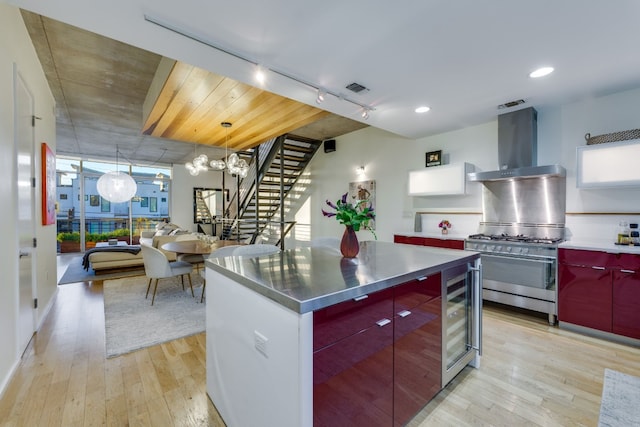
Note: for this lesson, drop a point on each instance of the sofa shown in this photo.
(101, 262)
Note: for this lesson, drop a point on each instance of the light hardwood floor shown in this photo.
(531, 374)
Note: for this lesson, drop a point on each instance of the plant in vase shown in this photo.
(445, 225)
(353, 217)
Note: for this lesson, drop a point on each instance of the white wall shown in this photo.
(16, 47)
(182, 193)
(388, 158)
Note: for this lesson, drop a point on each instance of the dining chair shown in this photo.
(218, 253)
(157, 266)
(194, 259)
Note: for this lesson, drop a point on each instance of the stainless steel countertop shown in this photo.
(308, 279)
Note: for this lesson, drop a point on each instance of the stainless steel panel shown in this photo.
(518, 138)
(520, 301)
(525, 201)
(527, 291)
(530, 273)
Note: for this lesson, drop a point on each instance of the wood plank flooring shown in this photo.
(531, 374)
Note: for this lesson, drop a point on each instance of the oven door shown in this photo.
(522, 276)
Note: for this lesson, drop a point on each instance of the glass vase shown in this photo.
(445, 230)
(349, 245)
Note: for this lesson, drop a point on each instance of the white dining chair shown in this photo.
(194, 259)
(218, 253)
(157, 266)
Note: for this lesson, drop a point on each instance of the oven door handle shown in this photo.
(541, 261)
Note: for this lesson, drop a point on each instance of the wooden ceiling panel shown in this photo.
(193, 102)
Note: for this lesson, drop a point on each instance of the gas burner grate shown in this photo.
(514, 238)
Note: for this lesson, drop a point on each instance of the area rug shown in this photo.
(132, 323)
(75, 273)
(620, 404)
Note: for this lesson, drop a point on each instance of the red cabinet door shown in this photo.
(429, 241)
(353, 371)
(585, 296)
(417, 359)
(626, 303)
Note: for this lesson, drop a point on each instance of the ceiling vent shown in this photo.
(510, 104)
(356, 87)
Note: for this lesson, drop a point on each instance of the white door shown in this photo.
(24, 143)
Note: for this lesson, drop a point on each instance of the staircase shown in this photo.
(262, 202)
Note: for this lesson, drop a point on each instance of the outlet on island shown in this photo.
(260, 342)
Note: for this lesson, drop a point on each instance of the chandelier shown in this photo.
(116, 186)
(234, 164)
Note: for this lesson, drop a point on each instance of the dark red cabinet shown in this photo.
(417, 367)
(377, 360)
(429, 241)
(626, 303)
(600, 290)
(585, 296)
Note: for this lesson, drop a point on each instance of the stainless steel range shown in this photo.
(519, 270)
(523, 218)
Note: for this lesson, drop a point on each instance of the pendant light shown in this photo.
(116, 186)
(199, 164)
(234, 164)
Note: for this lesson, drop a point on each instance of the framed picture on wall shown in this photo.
(48, 185)
(94, 200)
(433, 158)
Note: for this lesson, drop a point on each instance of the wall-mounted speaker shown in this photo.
(330, 145)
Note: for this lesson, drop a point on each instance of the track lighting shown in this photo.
(260, 74)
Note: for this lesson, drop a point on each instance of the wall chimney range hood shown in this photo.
(517, 149)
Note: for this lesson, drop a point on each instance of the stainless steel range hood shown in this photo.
(517, 149)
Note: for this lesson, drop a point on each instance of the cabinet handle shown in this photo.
(598, 268)
(421, 278)
(360, 298)
(628, 271)
(383, 322)
(404, 313)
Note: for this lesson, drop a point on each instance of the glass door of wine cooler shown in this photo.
(461, 319)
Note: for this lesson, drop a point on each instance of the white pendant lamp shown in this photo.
(116, 186)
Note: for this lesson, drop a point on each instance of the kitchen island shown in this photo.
(306, 337)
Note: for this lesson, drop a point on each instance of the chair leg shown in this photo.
(203, 285)
(148, 287)
(155, 288)
(182, 278)
(190, 285)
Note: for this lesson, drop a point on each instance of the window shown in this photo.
(105, 205)
(144, 202)
(153, 207)
(94, 200)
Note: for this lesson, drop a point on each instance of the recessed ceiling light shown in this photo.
(422, 109)
(541, 72)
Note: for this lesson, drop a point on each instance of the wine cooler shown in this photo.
(461, 319)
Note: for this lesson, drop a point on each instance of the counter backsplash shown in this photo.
(597, 227)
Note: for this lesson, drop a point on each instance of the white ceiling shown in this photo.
(462, 58)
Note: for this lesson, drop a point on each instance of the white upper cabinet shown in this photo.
(612, 164)
(440, 180)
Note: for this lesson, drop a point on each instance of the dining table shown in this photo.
(196, 247)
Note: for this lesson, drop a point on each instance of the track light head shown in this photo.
(321, 96)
